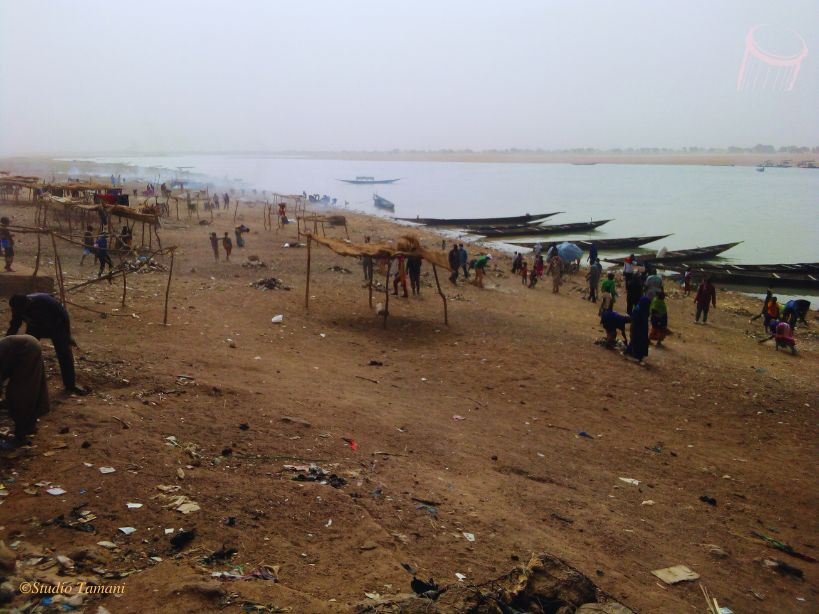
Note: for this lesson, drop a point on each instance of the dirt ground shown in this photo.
(471, 428)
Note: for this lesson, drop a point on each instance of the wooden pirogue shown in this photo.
(626, 242)
(533, 230)
(681, 255)
(478, 221)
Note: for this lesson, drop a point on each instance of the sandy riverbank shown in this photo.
(715, 413)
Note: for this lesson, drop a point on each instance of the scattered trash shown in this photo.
(180, 473)
(461, 577)
(244, 426)
(329, 523)
(293, 420)
(783, 568)
(231, 343)
(375, 596)
(183, 538)
(631, 481)
(425, 589)
(675, 574)
(352, 443)
(317, 474)
(708, 500)
(277, 319)
(223, 554)
(269, 283)
(127, 530)
(339, 269)
(433, 511)
(376, 363)
(585, 434)
(469, 536)
(265, 572)
(230, 521)
(107, 544)
(107, 470)
(647, 502)
(56, 491)
(456, 417)
(775, 543)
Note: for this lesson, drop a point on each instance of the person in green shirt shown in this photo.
(609, 286)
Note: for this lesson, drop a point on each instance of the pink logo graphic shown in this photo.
(772, 59)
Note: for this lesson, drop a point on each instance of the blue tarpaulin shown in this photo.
(569, 251)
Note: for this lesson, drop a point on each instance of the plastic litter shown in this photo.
(127, 530)
(469, 536)
(56, 491)
(675, 574)
(277, 319)
(631, 481)
(107, 470)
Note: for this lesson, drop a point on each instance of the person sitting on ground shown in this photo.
(610, 287)
(26, 391)
(479, 264)
(705, 297)
(659, 318)
(7, 242)
(46, 318)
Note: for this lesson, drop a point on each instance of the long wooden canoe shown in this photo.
(534, 230)
(682, 255)
(760, 279)
(478, 221)
(626, 242)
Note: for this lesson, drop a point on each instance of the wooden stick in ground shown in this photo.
(387, 293)
(307, 285)
(37, 261)
(58, 269)
(168, 289)
(236, 210)
(443, 297)
(124, 286)
(370, 287)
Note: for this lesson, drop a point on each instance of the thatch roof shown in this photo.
(407, 245)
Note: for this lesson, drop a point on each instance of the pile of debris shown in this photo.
(143, 264)
(254, 262)
(339, 269)
(270, 283)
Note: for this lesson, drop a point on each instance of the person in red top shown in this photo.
(706, 296)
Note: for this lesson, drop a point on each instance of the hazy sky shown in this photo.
(83, 76)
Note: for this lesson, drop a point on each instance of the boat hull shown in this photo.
(536, 231)
(477, 221)
(626, 242)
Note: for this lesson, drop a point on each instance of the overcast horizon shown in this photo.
(87, 76)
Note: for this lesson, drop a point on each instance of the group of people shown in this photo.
(97, 246)
(550, 264)
(780, 321)
(459, 262)
(227, 245)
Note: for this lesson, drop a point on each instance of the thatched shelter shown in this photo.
(407, 246)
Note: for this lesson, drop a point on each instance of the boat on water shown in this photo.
(383, 203)
(626, 242)
(760, 169)
(534, 230)
(364, 180)
(790, 276)
(478, 221)
(682, 255)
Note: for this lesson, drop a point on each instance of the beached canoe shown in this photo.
(478, 221)
(760, 279)
(492, 232)
(682, 255)
(624, 243)
(383, 203)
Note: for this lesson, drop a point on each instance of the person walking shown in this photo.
(637, 347)
(687, 281)
(414, 269)
(517, 262)
(556, 269)
(7, 243)
(634, 290)
(464, 260)
(705, 297)
(400, 277)
(593, 276)
(454, 263)
(226, 200)
(593, 253)
(214, 245)
(367, 264)
(628, 267)
(524, 273)
(227, 243)
(609, 286)
(88, 244)
(659, 318)
(46, 318)
(101, 249)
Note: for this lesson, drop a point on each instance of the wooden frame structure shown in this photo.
(330, 220)
(406, 246)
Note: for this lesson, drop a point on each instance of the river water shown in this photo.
(775, 214)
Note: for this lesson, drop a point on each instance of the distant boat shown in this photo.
(362, 180)
(583, 163)
(383, 203)
(760, 169)
(485, 221)
(802, 275)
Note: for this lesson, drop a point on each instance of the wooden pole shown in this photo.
(124, 286)
(236, 210)
(37, 261)
(307, 285)
(370, 286)
(58, 270)
(443, 297)
(168, 289)
(387, 289)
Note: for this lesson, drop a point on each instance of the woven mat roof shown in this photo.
(405, 246)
